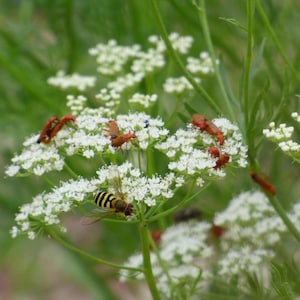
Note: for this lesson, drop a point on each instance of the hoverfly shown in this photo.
(117, 139)
(52, 127)
(111, 203)
(204, 124)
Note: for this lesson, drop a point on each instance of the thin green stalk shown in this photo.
(275, 40)
(282, 214)
(48, 180)
(70, 170)
(207, 36)
(69, 246)
(187, 199)
(163, 265)
(144, 235)
(176, 58)
(249, 54)
(72, 51)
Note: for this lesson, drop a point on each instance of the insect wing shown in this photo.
(115, 182)
(96, 215)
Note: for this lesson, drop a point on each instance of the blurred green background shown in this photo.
(37, 38)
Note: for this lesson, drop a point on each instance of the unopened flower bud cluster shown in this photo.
(282, 136)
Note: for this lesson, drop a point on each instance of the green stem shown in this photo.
(162, 263)
(70, 170)
(250, 13)
(282, 214)
(176, 58)
(275, 40)
(187, 199)
(144, 234)
(207, 36)
(72, 51)
(69, 246)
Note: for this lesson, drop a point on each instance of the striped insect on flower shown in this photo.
(111, 202)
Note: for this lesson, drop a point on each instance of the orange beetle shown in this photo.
(121, 139)
(206, 125)
(52, 127)
(263, 182)
(222, 158)
(62, 122)
(113, 129)
(118, 140)
(217, 231)
(45, 135)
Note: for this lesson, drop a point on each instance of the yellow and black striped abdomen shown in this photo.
(104, 199)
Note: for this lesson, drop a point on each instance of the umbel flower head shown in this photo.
(184, 254)
(253, 229)
(102, 134)
(136, 188)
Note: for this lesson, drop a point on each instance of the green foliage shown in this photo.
(256, 83)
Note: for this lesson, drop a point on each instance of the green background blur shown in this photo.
(37, 38)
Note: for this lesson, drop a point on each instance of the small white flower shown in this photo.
(180, 43)
(202, 65)
(111, 57)
(177, 85)
(72, 81)
(143, 100)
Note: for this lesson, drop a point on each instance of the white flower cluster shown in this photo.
(281, 133)
(87, 137)
(74, 81)
(111, 57)
(282, 136)
(148, 130)
(177, 85)
(182, 44)
(244, 260)
(184, 252)
(202, 65)
(144, 100)
(188, 149)
(122, 180)
(36, 159)
(45, 208)
(134, 185)
(129, 80)
(110, 98)
(76, 104)
(148, 62)
(249, 220)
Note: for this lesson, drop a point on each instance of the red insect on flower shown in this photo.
(52, 127)
(263, 182)
(223, 159)
(116, 139)
(45, 135)
(217, 231)
(206, 125)
(113, 129)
